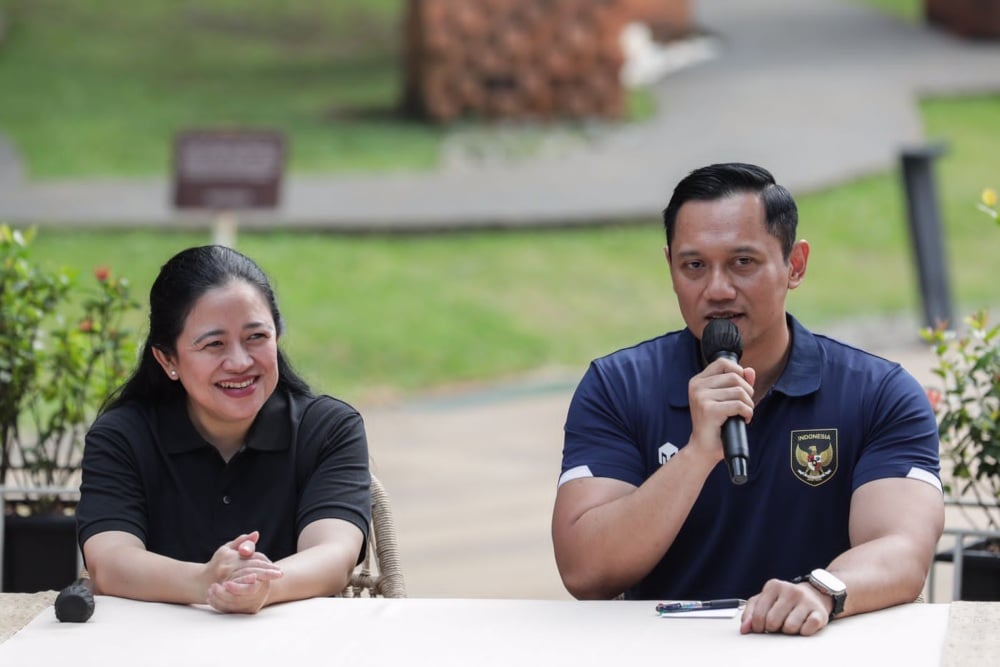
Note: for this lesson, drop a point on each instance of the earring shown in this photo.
(173, 374)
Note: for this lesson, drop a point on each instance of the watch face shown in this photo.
(827, 581)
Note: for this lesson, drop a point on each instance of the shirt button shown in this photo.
(226, 500)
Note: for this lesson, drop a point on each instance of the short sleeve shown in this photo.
(337, 482)
(599, 440)
(111, 490)
(903, 433)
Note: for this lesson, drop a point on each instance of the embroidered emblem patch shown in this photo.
(814, 455)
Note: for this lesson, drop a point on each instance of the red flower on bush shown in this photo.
(102, 273)
(934, 396)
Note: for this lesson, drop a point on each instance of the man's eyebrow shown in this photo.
(738, 250)
(745, 250)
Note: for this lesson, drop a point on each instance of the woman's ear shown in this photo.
(166, 361)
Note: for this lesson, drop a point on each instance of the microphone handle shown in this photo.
(734, 438)
(736, 449)
(75, 603)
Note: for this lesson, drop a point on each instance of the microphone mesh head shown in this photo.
(721, 335)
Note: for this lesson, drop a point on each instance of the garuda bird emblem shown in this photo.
(815, 455)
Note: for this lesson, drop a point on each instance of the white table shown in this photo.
(440, 632)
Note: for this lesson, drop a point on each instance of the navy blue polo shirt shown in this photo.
(838, 417)
(148, 472)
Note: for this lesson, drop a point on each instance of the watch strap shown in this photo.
(838, 598)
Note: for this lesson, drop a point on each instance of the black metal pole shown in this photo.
(925, 233)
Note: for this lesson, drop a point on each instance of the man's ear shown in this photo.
(798, 260)
(666, 253)
(166, 361)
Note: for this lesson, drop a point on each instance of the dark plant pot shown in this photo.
(39, 553)
(980, 570)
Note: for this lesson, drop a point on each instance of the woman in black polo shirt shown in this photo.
(214, 474)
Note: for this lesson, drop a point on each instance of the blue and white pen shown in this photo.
(697, 605)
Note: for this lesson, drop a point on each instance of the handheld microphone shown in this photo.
(721, 339)
(75, 603)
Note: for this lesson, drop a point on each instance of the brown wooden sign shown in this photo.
(228, 170)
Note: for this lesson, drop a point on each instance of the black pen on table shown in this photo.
(698, 605)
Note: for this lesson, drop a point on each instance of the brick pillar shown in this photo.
(514, 58)
(668, 19)
(979, 19)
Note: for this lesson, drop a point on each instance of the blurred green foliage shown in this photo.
(63, 349)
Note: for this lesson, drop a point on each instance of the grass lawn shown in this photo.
(131, 75)
(911, 10)
(376, 316)
(864, 256)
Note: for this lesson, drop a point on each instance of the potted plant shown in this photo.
(968, 410)
(61, 353)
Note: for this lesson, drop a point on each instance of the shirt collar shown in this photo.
(801, 376)
(804, 370)
(688, 358)
(270, 432)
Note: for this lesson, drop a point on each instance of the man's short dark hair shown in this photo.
(718, 181)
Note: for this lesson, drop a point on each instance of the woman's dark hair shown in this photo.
(718, 181)
(181, 282)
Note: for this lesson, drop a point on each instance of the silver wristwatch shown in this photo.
(826, 582)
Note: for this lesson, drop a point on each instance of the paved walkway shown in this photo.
(820, 91)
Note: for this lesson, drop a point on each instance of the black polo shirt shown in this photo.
(148, 472)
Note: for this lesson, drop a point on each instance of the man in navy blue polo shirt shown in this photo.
(842, 506)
